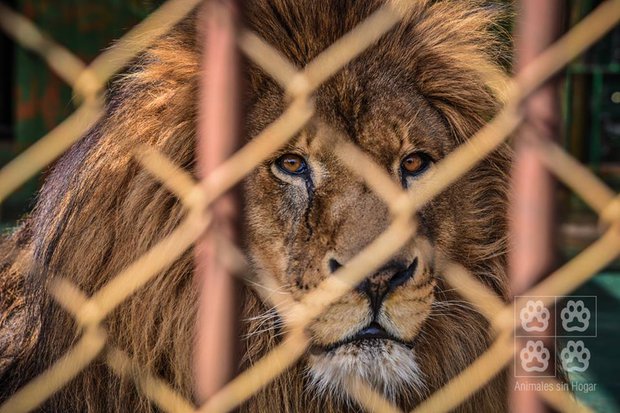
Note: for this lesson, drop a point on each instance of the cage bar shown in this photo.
(216, 339)
(532, 217)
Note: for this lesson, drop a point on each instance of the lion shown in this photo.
(407, 102)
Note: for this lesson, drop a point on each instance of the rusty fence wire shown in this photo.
(89, 312)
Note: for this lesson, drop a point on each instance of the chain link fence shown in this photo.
(88, 84)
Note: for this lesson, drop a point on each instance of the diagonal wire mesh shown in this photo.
(196, 197)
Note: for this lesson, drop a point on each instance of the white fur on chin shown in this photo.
(389, 367)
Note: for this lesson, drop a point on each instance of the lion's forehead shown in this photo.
(384, 120)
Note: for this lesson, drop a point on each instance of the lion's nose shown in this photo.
(378, 286)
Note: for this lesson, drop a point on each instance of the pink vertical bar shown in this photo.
(533, 190)
(218, 137)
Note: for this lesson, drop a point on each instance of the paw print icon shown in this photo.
(575, 356)
(575, 316)
(534, 356)
(534, 316)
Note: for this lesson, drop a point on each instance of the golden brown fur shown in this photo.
(418, 88)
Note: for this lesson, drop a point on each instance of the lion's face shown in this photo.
(406, 102)
(308, 215)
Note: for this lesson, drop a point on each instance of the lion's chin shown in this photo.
(388, 366)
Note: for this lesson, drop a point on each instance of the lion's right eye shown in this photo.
(292, 164)
(415, 163)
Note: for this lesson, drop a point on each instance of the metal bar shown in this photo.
(216, 353)
(532, 253)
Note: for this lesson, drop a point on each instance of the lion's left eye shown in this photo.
(292, 164)
(415, 163)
